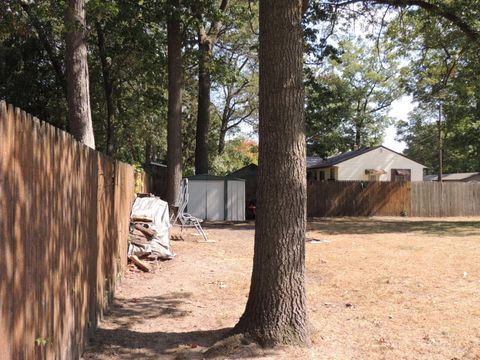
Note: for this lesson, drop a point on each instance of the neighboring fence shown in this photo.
(64, 216)
(359, 198)
(445, 199)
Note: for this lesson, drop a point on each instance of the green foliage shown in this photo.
(28, 79)
(136, 59)
(350, 82)
(461, 148)
(328, 109)
(135, 46)
(444, 71)
(348, 102)
(238, 153)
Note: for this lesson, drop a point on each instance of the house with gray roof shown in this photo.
(376, 163)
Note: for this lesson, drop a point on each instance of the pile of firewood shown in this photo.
(148, 241)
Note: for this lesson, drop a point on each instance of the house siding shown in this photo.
(380, 158)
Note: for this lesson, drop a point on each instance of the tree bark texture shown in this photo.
(174, 132)
(108, 89)
(224, 125)
(276, 311)
(78, 99)
(203, 115)
(221, 139)
(358, 135)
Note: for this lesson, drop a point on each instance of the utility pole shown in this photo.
(440, 145)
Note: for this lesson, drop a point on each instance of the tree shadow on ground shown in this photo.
(378, 226)
(127, 312)
(129, 344)
(366, 225)
(118, 340)
(230, 225)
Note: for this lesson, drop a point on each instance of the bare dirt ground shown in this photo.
(378, 288)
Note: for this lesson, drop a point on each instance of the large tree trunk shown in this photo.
(79, 114)
(108, 89)
(206, 41)
(276, 311)
(203, 115)
(223, 127)
(221, 139)
(174, 134)
(358, 135)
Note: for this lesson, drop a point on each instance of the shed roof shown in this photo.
(208, 177)
(249, 167)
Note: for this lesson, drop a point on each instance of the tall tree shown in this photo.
(175, 74)
(348, 103)
(235, 82)
(327, 115)
(46, 38)
(108, 89)
(443, 71)
(207, 37)
(78, 90)
(276, 310)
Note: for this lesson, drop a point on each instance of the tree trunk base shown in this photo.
(271, 336)
(239, 344)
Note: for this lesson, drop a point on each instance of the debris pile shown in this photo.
(149, 236)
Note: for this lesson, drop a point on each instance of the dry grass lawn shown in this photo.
(378, 288)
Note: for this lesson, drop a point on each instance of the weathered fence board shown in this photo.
(431, 199)
(64, 211)
(358, 198)
(421, 199)
(7, 191)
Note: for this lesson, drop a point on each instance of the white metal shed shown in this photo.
(216, 198)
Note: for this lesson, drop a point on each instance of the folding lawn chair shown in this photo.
(185, 219)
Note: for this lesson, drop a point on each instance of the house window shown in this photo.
(374, 174)
(332, 174)
(322, 176)
(401, 175)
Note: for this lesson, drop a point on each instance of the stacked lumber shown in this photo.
(149, 237)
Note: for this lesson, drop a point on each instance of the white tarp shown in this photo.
(156, 210)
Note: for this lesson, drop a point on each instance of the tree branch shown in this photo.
(434, 9)
(46, 42)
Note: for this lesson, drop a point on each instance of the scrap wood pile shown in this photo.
(149, 237)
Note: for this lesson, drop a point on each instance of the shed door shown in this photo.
(215, 204)
(236, 201)
(197, 198)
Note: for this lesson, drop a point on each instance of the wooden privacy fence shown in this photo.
(358, 198)
(445, 199)
(424, 199)
(64, 217)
